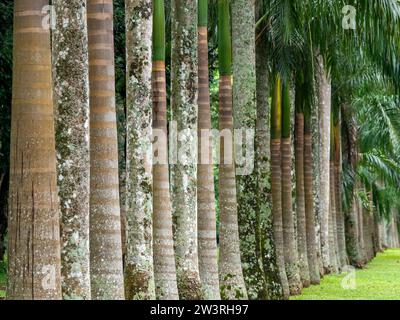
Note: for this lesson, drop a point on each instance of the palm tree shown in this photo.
(276, 184)
(206, 214)
(33, 235)
(342, 255)
(163, 244)
(139, 274)
(290, 250)
(244, 118)
(230, 269)
(264, 230)
(333, 243)
(105, 222)
(71, 96)
(324, 98)
(300, 196)
(184, 81)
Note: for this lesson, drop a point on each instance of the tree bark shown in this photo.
(300, 197)
(333, 243)
(34, 239)
(139, 273)
(230, 268)
(324, 97)
(276, 183)
(244, 115)
(265, 250)
(105, 220)
(206, 219)
(289, 240)
(184, 79)
(71, 95)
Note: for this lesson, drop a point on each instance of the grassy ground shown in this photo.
(379, 280)
(2, 280)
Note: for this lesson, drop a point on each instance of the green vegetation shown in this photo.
(3, 280)
(379, 280)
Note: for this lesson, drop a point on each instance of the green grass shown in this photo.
(379, 280)
(2, 280)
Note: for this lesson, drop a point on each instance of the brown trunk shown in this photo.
(290, 251)
(163, 244)
(230, 272)
(276, 190)
(333, 244)
(300, 200)
(33, 235)
(105, 220)
(206, 219)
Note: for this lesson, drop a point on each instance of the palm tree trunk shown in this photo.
(266, 251)
(360, 225)
(324, 94)
(33, 236)
(313, 263)
(244, 115)
(206, 219)
(163, 244)
(276, 182)
(230, 272)
(300, 196)
(139, 273)
(339, 212)
(351, 215)
(333, 244)
(184, 78)
(105, 221)
(289, 240)
(71, 95)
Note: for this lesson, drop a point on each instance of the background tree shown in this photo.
(163, 244)
(105, 220)
(206, 213)
(230, 272)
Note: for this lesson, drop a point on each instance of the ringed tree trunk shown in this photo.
(300, 196)
(105, 222)
(230, 268)
(311, 237)
(71, 92)
(244, 118)
(163, 243)
(139, 273)
(324, 97)
(289, 240)
(342, 255)
(184, 80)
(34, 268)
(206, 214)
(333, 243)
(264, 232)
(276, 181)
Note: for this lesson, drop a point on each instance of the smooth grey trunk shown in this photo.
(184, 80)
(139, 275)
(244, 116)
(265, 250)
(71, 100)
(324, 96)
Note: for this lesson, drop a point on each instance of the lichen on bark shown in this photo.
(184, 79)
(71, 93)
(139, 274)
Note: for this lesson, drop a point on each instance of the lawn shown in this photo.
(379, 280)
(2, 280)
